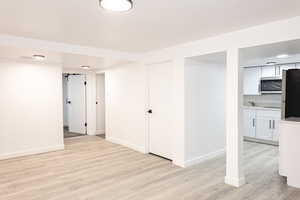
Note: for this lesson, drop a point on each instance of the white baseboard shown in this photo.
(236, 182)
(100, 132)
(31, 152)
(126, 144)
(203, 158)
(293, 182)
(179, 163)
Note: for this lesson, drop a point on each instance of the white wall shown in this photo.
(30, 108)
(100, 98)
(126, 101)
(204, 110)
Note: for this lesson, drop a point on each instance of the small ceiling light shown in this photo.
(39, 57)
(86, 67)
(283, 56)
(271, 63)
(116, 5)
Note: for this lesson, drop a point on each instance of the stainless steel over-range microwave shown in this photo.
(271, 85)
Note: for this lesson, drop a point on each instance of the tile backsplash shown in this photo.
(266, 100)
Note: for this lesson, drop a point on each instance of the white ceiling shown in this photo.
(152, 24)
(214, 58)
(260, 55)
(67, 60)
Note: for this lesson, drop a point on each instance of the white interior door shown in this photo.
(160, 102)
(100, 98)
(77, 104)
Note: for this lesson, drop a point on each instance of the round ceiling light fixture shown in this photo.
(86, 67)
(282, 56)
(116, 5)
(39, 57)
(271, 63)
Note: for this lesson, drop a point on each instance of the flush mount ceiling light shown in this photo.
(39, 57)
(116, 5)
(271, 63)
(86, 67)
(283, 56)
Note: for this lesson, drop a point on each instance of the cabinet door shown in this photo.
(251, 80)
(275, 127)
(264, 128)
(249, 123)
(268, 71)
(298, 66)
(285, 67)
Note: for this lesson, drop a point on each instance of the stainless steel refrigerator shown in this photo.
(291, 95)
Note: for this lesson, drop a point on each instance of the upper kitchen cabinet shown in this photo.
(268, 71)
(251, 80)
(280, 68)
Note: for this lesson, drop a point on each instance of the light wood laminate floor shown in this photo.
(91, 168)
(68, 134)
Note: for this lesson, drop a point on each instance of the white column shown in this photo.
(234, 135)
(179, 134)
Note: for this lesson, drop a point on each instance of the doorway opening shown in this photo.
(263, 89)
(74, 105)
(205, 78)
(100, 105)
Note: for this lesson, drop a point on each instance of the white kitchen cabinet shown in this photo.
(297, 65)
(249, 123)
(261, 123)
(280, 68)
(268, 71)
(251, 80)
(276, 130)
(264, 128)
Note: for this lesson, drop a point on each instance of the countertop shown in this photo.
(262, 108)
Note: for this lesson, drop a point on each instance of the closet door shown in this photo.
(77, 104)
(160, 109)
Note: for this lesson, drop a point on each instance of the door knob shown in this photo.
(69, 102)
(150, 111)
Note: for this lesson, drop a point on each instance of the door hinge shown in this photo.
(85, 124)
(85, 82)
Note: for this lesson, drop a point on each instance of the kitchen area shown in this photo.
(271, 109)
(262, 101)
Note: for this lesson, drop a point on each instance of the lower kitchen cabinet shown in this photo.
(264, 128)
(249, 122)
(276, 130)
(261, 124)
